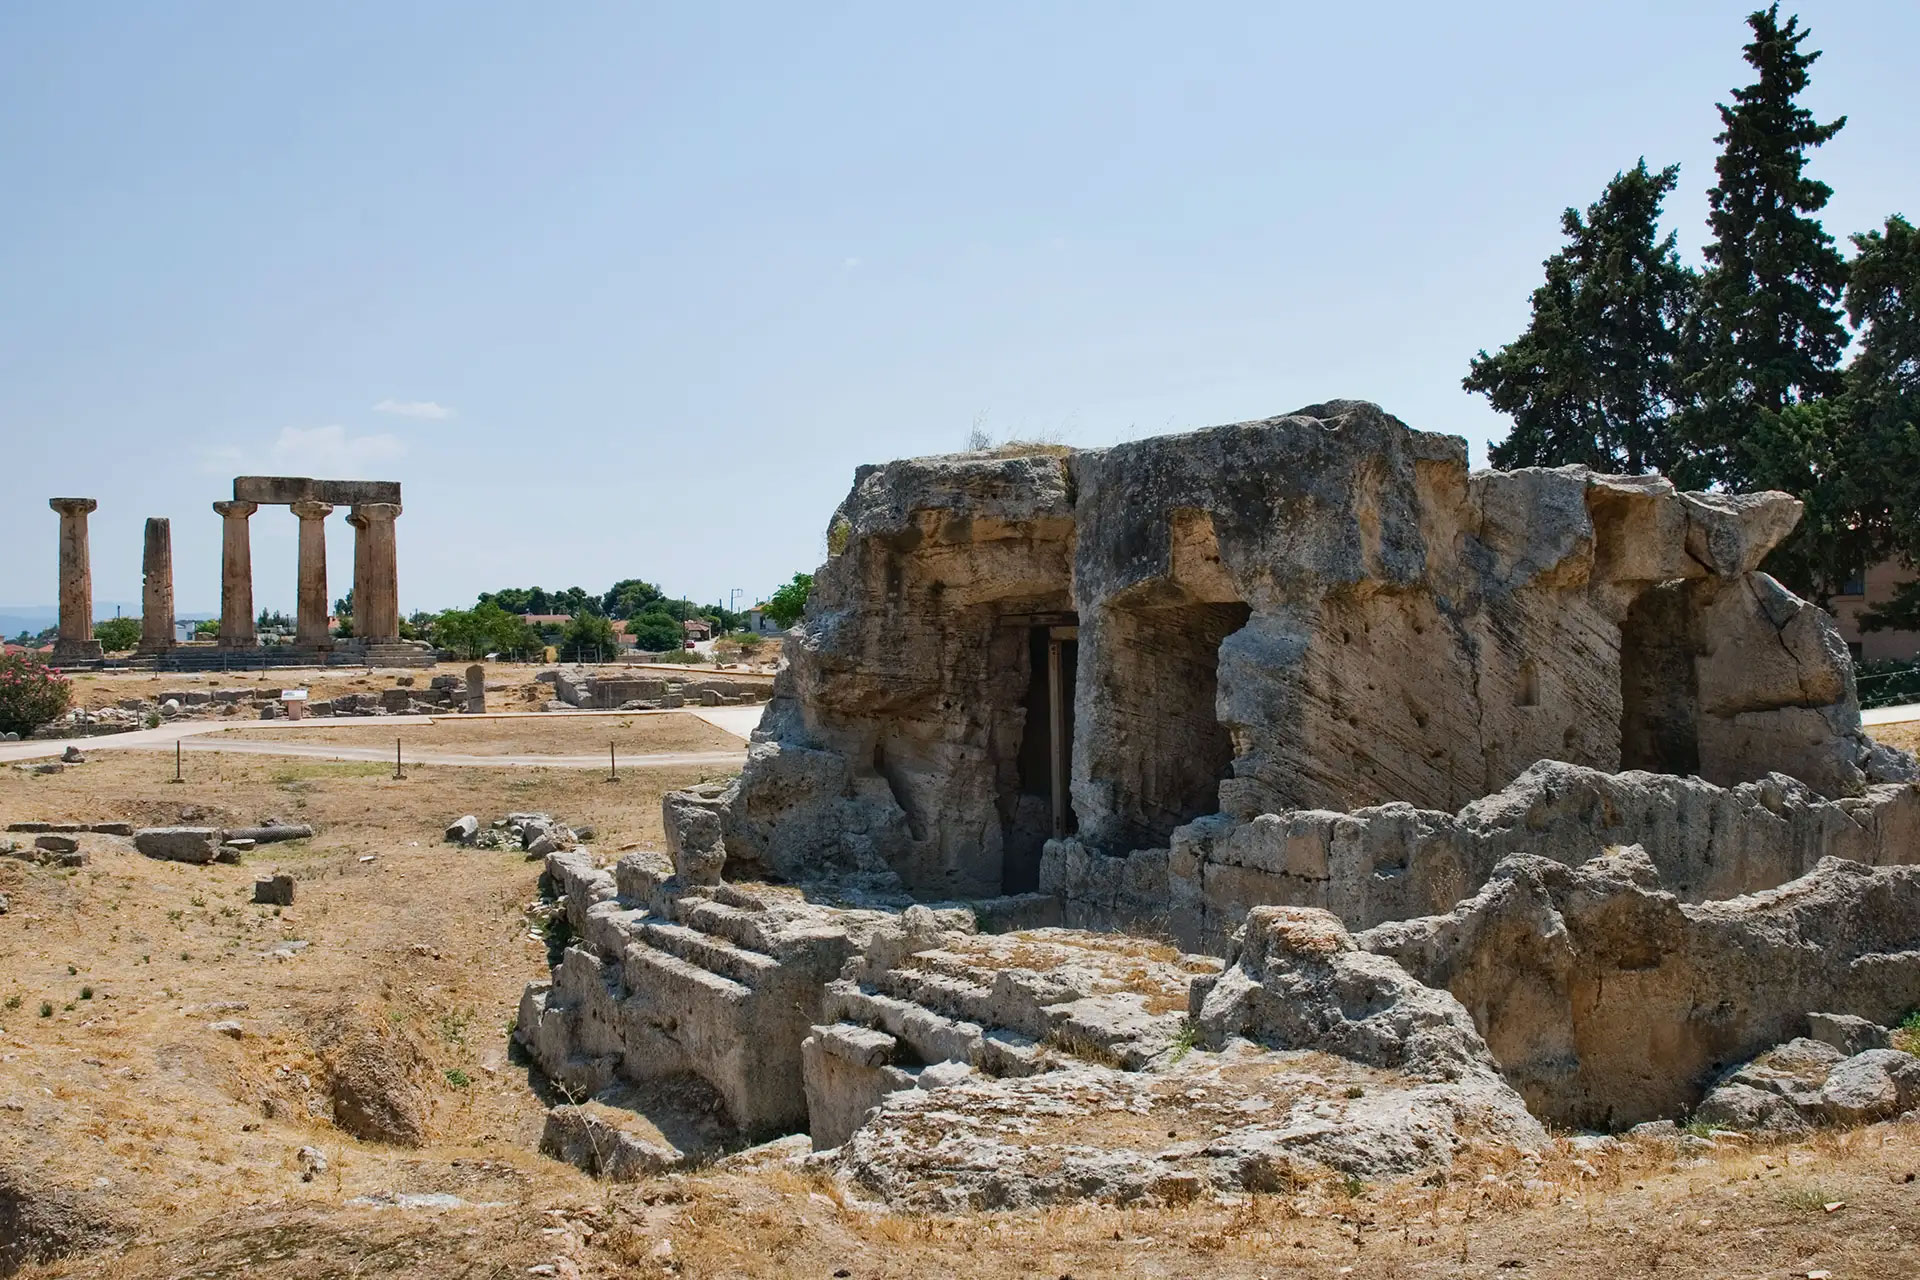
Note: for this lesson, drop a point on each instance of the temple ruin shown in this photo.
(1526, 792)
(373, 507)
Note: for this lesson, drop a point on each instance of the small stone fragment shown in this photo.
(275, 890)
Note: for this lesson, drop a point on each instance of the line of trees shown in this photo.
(1735, 376)
(496, 625)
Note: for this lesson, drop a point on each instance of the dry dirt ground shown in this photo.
(558, 734)
(160, 1146)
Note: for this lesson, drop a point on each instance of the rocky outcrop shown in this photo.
(1607, 1000)
(1589, 787)
(664, 979)
(1394, 862)
(1295, 980)
(1304, 1055)
(1807, 1082)
(1317, 613)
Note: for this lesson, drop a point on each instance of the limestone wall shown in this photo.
(1324, 611)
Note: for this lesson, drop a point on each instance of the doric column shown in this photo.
(76, 581)
(156, 593)
(310, 629)
(376, 572)
(236, 576)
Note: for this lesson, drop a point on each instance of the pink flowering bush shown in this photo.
(31, 693)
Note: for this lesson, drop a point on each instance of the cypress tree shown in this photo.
(1593, 379)
(1767, 333)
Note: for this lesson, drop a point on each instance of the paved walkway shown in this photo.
(415, 755)
(742, 721)
(1891, 715)
(738, 721)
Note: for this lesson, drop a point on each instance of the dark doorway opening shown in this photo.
(1659, 687)
(1043, 807)
(1164, 683)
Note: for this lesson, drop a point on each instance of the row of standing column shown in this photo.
(376, 574)
(376, 578)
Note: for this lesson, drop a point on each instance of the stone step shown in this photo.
(931, 1036)
(947, 994)
(644, 964)
(737, 964)
(741, 927)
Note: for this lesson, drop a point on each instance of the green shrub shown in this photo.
(588, 638)
(117, 635)
(786, 605)
(653, 631)
(31, 693)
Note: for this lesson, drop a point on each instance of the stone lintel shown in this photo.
(281, 491)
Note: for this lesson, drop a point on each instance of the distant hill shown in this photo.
(37, 618)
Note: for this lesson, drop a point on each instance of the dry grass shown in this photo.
(559, 735)
(125, 1087)
(193, 1133)
(1905, 736)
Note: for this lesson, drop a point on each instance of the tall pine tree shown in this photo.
(1767, 333)
(1593, 379)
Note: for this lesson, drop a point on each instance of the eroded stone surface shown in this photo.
(1394, 862)
(1591, 788)
(1323, 611)
(1607, 1000)
(1804, 1083)
(1243, 1120)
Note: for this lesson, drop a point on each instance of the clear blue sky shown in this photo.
(646, 282)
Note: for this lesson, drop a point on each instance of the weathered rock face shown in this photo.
(665, 980)
(1394, 862)
(1808, 1082)
(1607, 1000)
(1304, 1052)
(1531, 735)
(1324, 611)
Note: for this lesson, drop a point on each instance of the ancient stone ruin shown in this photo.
(1285, 786)
(374, 507)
